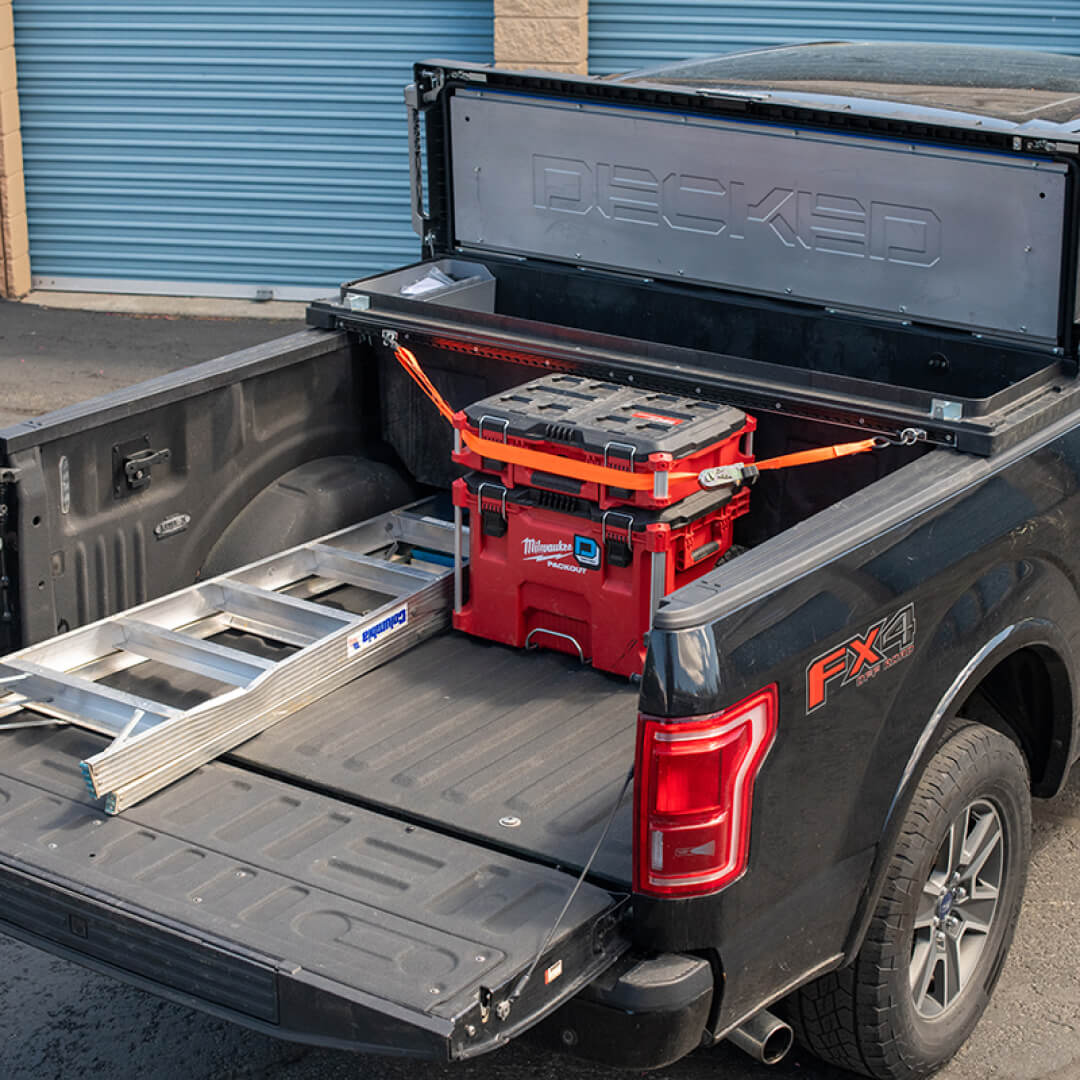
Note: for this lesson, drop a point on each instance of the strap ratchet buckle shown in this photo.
(733, 476)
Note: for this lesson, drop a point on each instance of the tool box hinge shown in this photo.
(430, 83)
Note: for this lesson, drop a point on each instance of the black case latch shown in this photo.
(492, 522)
(617, 549)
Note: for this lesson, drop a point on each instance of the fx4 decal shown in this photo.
(861, 657)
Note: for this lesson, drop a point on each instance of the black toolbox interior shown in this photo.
(944, 363)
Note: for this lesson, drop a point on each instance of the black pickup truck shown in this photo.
(838, 730)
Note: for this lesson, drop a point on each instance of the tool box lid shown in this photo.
(592, 415)
(885, 208)
(679, 515)
(885, 257)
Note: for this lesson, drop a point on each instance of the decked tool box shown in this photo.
(602, 423)
(559, 572)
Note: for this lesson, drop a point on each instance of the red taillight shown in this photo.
(695, 783)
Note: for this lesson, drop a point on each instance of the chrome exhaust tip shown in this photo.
(765, 1037)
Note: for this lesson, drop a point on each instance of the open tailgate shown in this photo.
(289, 911)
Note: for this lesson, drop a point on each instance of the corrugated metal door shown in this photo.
(219, 148)
(628, 34)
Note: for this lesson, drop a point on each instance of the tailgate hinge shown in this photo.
(609, 924)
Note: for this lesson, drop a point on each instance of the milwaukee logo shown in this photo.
(537, 549)
(553, 554)
(833, 223)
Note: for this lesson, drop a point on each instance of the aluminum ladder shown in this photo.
(404, 557)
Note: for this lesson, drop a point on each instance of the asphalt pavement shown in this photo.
(59, 1020)
(53, 357)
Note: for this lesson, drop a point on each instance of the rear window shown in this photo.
(1016, 85)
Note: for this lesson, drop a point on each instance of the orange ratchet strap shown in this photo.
(537, 460)
(820, 453)
(541, 461)
(409, 362)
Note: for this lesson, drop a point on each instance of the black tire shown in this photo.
(865, 1017)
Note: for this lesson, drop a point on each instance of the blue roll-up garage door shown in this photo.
(224, 148)
(629, 34)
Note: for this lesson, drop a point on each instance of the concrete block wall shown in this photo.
(14, 236)
(546, 35)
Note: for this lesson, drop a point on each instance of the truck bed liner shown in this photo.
(457, 733)
(294, 894)
(464, 733)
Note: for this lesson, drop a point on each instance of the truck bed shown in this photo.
(458, 734)
(464, 734)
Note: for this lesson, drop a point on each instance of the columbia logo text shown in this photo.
(362, 639)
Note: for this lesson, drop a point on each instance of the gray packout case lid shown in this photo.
(605, 418)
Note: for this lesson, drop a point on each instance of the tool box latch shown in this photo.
(492, 520)
(617, 548)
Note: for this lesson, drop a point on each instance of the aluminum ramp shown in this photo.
(401, 561)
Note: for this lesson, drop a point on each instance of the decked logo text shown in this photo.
(830, 222)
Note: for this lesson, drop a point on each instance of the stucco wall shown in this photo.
(549, 35)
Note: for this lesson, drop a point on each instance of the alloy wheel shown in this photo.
(957, 907)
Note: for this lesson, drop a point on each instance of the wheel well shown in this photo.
(1028, 697)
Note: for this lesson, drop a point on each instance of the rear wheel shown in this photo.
(944, 923)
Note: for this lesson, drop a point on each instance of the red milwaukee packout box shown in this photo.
(603, 423)
(555, 571)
